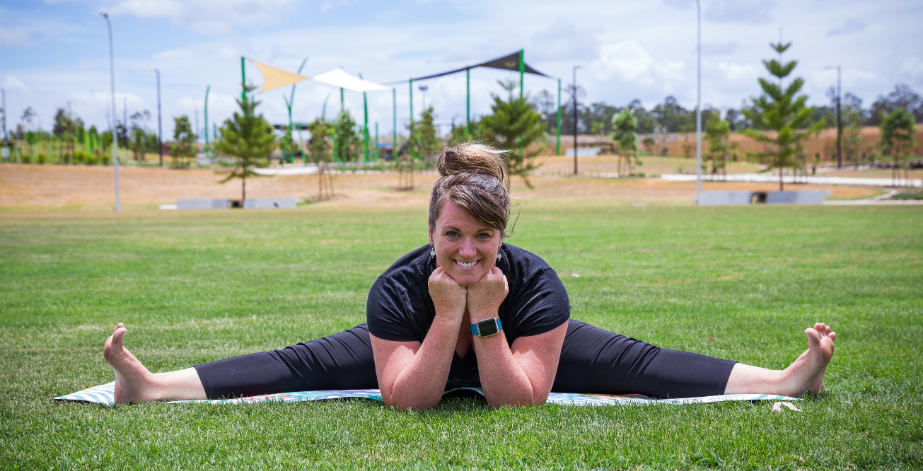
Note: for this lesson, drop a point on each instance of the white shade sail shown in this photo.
(339, 78)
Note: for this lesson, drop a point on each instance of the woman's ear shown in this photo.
(431, 229)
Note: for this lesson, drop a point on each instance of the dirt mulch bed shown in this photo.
(31, 187)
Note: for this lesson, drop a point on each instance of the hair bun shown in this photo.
(474, 158)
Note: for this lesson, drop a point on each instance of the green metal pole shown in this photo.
(394, 128)
(522, 74)
(522, 70)
(467, 101)
(410, 141)
(207, 89)
(289, 103)
(243, 80)
(558, 146)
(341, 100)
(365, 108)
(377, 158)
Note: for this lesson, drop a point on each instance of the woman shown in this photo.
(470, 310)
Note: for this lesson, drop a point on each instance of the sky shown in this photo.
(55, 53)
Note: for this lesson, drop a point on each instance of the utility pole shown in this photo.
(159, 125)
(3, 92)
(575, 119)
(115, 148)
(839, 120)
(698, 106)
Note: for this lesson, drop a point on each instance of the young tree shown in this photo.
(897, 140)
(424, 136)
(137, 144)
(183, 141)
(717, 132)
(248, 139)
(784, 112)
(624, 125)
(320, 150)
(347, 139)
(648, 142)
(514, 125)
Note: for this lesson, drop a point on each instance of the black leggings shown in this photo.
(592, 361)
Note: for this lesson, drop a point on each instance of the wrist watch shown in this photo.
(486, 328)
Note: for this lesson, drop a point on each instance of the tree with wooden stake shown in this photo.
(320, 149)
(717, 132)
(897, 141)
(183, 146)
(514, 124)
(785, 113)
(624, 125)
(248, 139)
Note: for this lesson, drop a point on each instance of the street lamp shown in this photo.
(115, 149)
(423, 89)
(159, 125)
(575, 119)
(698, 106)
(839, 121)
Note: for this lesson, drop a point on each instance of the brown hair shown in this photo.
(474, 177)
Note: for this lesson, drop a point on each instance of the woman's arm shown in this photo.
(412, 375)
(523, 374)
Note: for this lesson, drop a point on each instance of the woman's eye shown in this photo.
(483, 236)
(451, 234)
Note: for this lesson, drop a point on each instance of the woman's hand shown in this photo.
(485, 296)
(449, 297)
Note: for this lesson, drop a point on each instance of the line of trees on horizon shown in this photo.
(671, 117)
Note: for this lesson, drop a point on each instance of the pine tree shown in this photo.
(248, 139)
(784, 112)
(424, 136)
(514, 125)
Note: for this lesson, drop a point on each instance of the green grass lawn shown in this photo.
(740, 283)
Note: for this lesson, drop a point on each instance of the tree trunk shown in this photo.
(781, 183)
(243, 195)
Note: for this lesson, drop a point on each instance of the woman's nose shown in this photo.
(467, 248)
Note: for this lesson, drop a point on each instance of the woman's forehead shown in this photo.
(456, 216)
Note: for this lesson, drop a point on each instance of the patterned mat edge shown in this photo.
(104, 394)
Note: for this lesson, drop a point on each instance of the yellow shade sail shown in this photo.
(274, 78)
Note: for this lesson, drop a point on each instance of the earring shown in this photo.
(432, 252)
(499, 255)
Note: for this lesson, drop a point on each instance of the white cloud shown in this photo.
(208, 16)
(739, 72)
(851, 26)
(11, 82)
(626, 59)
(15, 37)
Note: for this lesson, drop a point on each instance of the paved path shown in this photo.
(767, 178)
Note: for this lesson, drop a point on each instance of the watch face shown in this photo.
(487, 327)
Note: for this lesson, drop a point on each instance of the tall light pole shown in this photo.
(839, 120)
(159, 124)
(115, 142)
(698, 106)
(3, 91)
(575, 119)
(423, 89)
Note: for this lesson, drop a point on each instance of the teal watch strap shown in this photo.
(486, 327)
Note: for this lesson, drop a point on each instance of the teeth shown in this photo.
(466, 265)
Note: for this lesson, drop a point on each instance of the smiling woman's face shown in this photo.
(465, 247)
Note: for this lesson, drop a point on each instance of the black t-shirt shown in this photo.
(399, 306)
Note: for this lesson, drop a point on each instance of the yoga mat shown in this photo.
(103, 394)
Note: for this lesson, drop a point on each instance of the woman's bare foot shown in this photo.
(133, 382)
(806, 374)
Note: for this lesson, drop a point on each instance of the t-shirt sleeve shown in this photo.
(387, 313)
(541, 305)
